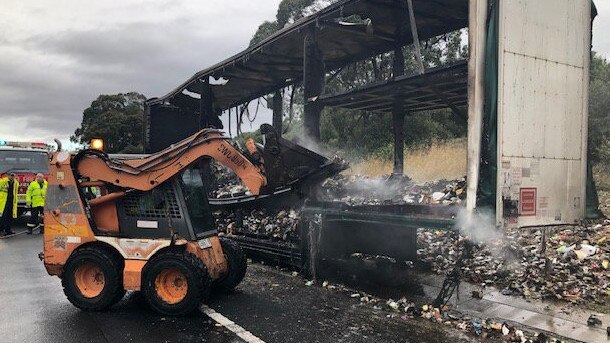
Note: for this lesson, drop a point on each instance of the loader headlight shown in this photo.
(97, 144)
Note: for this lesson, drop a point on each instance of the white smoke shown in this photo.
(478, 226)
(310, 144)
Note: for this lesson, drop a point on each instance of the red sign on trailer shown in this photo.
(527, 202)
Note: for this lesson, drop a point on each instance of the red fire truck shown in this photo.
(25, 159)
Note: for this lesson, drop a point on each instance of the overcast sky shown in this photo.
(58, 56)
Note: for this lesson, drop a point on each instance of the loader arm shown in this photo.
(147, 173)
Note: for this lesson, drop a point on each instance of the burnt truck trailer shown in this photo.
(528, 110)
(523, 91)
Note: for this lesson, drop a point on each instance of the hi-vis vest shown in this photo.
(4, 195)
(36, 193)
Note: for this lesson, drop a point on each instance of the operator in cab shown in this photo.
(8, 201)
(35, 198)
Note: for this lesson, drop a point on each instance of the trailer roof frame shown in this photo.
(277, 61)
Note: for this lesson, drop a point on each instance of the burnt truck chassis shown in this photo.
(347, 244)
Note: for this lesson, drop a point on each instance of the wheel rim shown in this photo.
(171, 285)
(89, 279)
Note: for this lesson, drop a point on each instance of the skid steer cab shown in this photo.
(118, 224)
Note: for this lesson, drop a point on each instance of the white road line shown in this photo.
(13, 235)
(231, 326)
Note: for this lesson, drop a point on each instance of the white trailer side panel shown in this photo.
(543, 76)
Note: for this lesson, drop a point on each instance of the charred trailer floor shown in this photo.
(368, 255)
(370, 247)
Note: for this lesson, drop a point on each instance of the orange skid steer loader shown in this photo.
(144, 224)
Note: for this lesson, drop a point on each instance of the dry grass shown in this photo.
(601, 174)
(441, 161)
(448, 161)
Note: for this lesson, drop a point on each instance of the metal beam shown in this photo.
(443, 97)
(313, 84)
(418, 55)
(206, 103)
(398, 116)
(363, 30)
(277, 112)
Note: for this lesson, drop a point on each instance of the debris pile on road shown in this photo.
(445, 315)
(262, 223)
(357, 190)
(565, 263)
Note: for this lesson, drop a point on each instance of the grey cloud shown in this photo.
(146, 57)
(134, 46)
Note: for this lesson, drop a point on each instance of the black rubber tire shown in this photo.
(110, 266)
(236, 269)
(197, 278)
(120, 294)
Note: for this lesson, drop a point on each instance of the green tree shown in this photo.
(291, 10)
(118, 119)
(265, 30)
(599, 110)
(288, 11)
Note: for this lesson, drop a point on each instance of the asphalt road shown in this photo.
(272, 305)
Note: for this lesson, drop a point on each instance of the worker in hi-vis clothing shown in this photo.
(8, 201)
(35, 197)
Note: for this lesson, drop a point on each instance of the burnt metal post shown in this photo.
(206, 113)
(206, 104)
(313, 84)
(418, 56)
(277, 112)
(398, 116)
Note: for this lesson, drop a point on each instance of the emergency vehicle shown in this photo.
(25, 159)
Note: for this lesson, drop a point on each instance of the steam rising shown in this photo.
(310, 144)
(478, 226)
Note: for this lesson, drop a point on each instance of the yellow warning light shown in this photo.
(97, 144)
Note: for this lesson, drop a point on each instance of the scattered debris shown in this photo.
(505, 329)
(593, 320)
(477, 294)
(516, 264)
(506, 291)
(225, 183)
(278, 225)
(393, 305)
(454, 277)
(357, 190)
